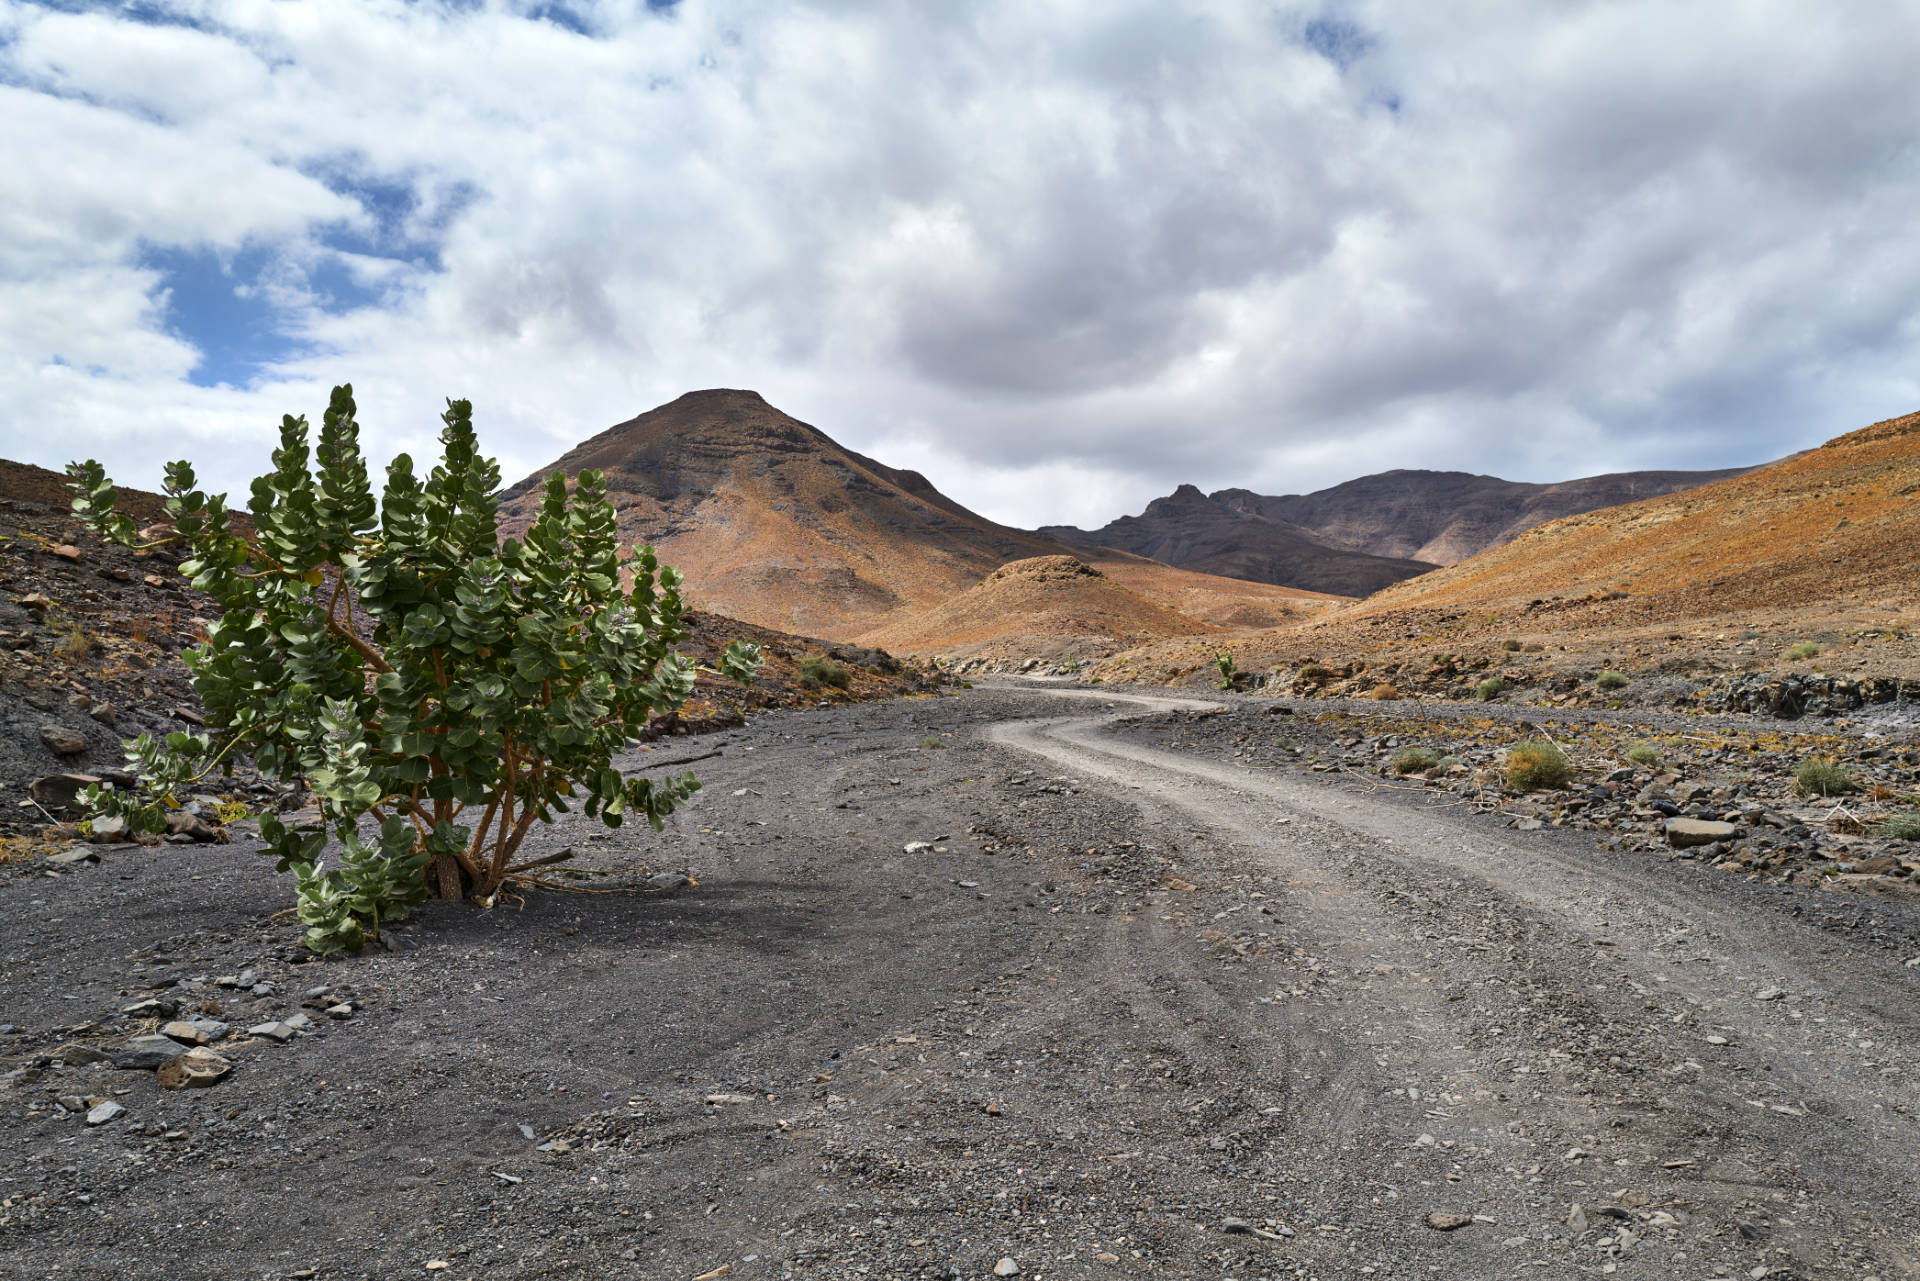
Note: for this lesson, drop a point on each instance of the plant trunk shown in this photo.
(445, 878)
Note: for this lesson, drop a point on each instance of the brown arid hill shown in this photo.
(1193, 531)
(1443, 517)
(1819, 548)
(1048, 607)
(775, 523)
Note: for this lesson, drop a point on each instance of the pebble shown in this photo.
(1447, 1221)
(1006, 1268)
(261, 989)
(273, 1031)
(101, 1113)
(341, 1011)
(921, 847)
(1769, 994)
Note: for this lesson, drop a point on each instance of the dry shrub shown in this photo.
(1384, 691)
(1535, 764)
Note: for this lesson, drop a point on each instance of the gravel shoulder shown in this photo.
(1121, 1012)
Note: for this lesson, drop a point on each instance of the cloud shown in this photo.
(1060, 257)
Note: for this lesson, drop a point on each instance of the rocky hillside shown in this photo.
(1800, 570)
(776, 523)
(1049, 607)
(1442, 517)
(1193, 531)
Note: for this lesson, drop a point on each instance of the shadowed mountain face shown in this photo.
(773, 522)
(1193, 531)
(1446, 516)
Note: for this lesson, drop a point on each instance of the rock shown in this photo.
(340, 1011)
(212, 1029)
(274, 1031)
(185, 1033)
(109, 827)
(1006, 1268)
(1447, 1221)
(151, 1008)
(260, 989)
(663, 882)
(145, 1053)
(67, 552)
(63, 741)
(1684, 833)
(102, 712)
(181, 823)
(194, 1070)
(298, 1022)
(60, 791)
(78, 854)
(36, 603)
(1769, 994)
(916, 847)
(728, 1099)
(101, 1113)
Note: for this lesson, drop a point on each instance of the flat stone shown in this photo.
(1684, 833)
(1006, 1268)
(101, 1113)
(1769, 994)
(63, 741)
(341, 1011)
(298, 1022)
(185, 1033)
(60, 791)
(274, 1031)
(78, 854)
(1447, 1221)
(145, 1053)
(67, 551)
(194, 1070)
(661, 882)
(109, 827)
(260, 989)
(152, 1008)
(73, 1054)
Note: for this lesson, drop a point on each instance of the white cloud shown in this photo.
(1062, 257)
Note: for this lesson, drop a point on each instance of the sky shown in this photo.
(1059, 255)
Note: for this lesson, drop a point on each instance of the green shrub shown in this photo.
(1510, 645)
(1224, 661)
(1611, 680)
(1415, 760)
(1904, 826)
(1803, 650)
(932, 742)
(1644, 754)
(817, 672)
(438, 691)
(1535, 764)
(1490, 688)
(1816, 777)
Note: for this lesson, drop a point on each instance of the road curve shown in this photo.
(1598, 1025)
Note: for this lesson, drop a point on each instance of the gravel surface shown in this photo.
(970, 984)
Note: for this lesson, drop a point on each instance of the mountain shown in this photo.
(1446, 516)
(774, 522)
(1191, 530)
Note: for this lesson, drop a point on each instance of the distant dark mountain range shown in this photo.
(1193, 531)
(1365, 534)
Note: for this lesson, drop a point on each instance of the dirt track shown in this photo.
(1129, 1001)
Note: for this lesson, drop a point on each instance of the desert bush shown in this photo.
(1415, 760)
(1816, 777)
(1802, 650)
(1904, 826)
(438, 691)
(1536, 764)
(1316, 672)
(1510, 645)
(1384, 691)
(1490, 688)
(71, 642)
(1644, 754)
(932, 742)
(1611, 680)
(1224, 661)
(817, 672)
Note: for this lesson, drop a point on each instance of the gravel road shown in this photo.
(974, 982)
